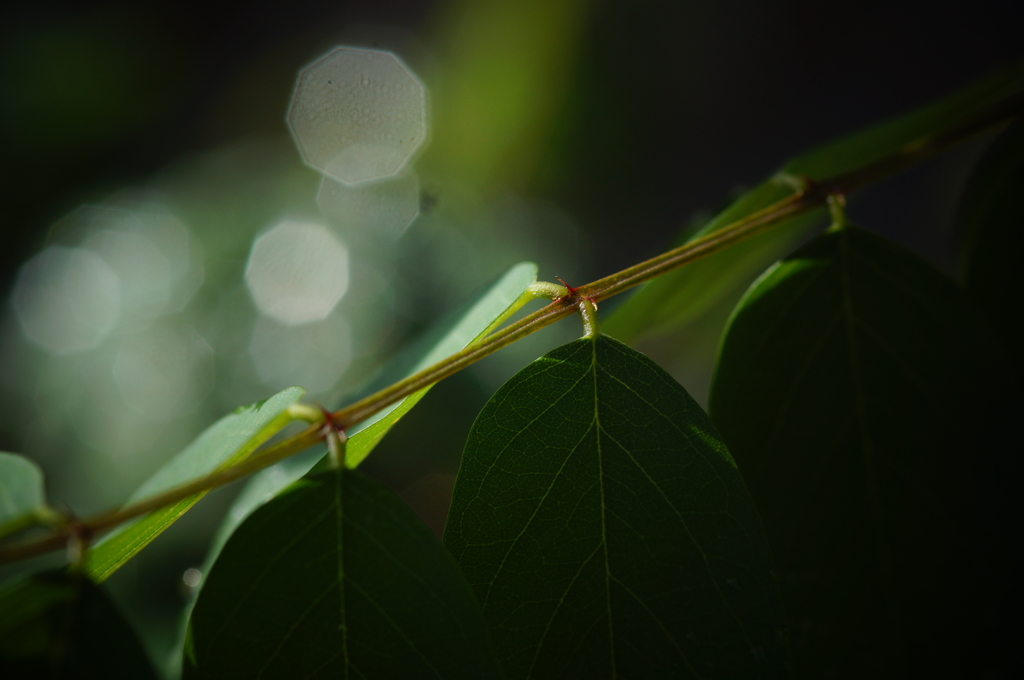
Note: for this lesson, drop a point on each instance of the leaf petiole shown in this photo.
(588, 313)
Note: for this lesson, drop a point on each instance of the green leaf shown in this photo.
(21, 491)
(867, 405)
(673, 300)
(336, 577)
(228, 441)
(991, 226)
(58, 625)
(493, 307)
(261, 488)
(606, 529)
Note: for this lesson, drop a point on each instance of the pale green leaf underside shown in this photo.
(21, 487)
(228, 441)
(606, 529)
(499, 302)
(262, 487)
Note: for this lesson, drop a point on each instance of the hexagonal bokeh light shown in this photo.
(358, 115)
(297, 272)
(155, 257)
(386, 207)
(144, 272)
(67, 299)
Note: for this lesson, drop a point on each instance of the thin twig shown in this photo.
(816, 195)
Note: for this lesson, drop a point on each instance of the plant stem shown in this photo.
(814, 196)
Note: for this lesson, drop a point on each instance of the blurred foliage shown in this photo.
(503, 71)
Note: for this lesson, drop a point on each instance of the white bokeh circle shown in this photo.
(67, 299)
(297, 272)
(358, 115)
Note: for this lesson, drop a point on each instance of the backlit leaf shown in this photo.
(336, 577)
(490, 310)
(487, 313)
(228, 441)
(868, 407)
(606, 529)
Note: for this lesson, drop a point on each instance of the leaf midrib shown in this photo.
(609, 578)
(675, 511)
(604, 508)
(860, 405)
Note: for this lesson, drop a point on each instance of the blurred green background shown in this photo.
(581, 135)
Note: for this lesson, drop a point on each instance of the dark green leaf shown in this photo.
(228, 441)
(260, 488)
(606, 529)
(867, 406)
(991, 225)
(492, 308)
(56, 625)
(485, 314)
(673, 300)
(21, 491)
(336, 577)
